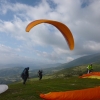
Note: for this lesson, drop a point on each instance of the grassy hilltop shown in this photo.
(33, 87)
(62, 79)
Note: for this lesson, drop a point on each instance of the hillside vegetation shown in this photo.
(77, 70)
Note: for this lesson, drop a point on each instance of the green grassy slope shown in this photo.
(33, 88)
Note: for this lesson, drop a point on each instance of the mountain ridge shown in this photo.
(82, 60)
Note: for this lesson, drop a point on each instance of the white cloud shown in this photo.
(69, 59)
(83, 22)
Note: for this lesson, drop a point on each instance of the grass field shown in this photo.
(34, 87)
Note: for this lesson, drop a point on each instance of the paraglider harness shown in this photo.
(23, 73)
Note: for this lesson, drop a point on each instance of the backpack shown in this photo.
(23, 73)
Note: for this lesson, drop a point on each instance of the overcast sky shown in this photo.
(44, 43)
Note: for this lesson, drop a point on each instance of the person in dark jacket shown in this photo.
(40, 74)
(25, 75)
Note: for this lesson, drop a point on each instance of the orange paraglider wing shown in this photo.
(84, 94)
(95, 75)
(60, 26)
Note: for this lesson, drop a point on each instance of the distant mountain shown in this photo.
(9, 75)
(52, 68)
(13, 73)
(82, 61)
(78, 66)
(77, 70)
(32, 66)
(10, 72)
(12, 65)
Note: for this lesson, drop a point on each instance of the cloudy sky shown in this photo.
(44, 44)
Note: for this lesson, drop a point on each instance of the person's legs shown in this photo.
(24, 80)
(88, 71)
(40, 77)
(91, 70)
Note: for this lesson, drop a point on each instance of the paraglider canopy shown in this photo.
(60, 26)
(3, 88)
